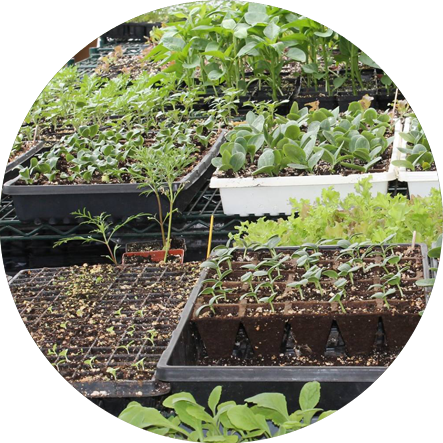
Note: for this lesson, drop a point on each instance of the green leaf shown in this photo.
(229, 23)
(425, 282)
(199, 413)
(309, 395)
(325, 414)
(247, 48)
(222, 439)
(243, 418)
(296, 54)
(214, 398)
(403, 164)
(254, 18)
(173, 43)
(338, 82)
(274, 401)
(272, 31)
(181, 396)
(372, 58)
(237, 161)
(294, 153)
(435, 252)
(266, 159)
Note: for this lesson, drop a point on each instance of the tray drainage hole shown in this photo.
(380, 335)
(242, 347)
(335, 344)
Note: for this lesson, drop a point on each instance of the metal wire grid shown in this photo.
(194, 221)
(125, 310)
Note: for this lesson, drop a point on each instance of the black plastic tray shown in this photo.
(403, 423)
(340, 384)
(130, 31)
(18, 45)
(22, 160)
(55, 203)
(40, 283)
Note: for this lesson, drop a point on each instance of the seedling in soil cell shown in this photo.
(62, 356)
(383, 294)
(90, 361)
(298, 285)
(126, 347)
(337, 298)
(110, 330)
(152, 334)
(216, 290)
(113, 372)
(140, 363)
(118, 313)
(395, 279)
(131, 330)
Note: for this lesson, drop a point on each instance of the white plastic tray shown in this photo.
(271, 195)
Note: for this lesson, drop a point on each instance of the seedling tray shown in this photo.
(85, 326)
(404, 424)
(56, 202)
(272, 195)
(181, 363)
(130, 32)
(22, 160)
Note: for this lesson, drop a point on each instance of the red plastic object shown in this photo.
(156, 256)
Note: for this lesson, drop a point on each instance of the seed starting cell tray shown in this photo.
(104, 327)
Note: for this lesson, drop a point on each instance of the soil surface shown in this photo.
(102, 322)
(265, 321)
(322, 167)
(63, 166)
(375, 359)
(370, 272)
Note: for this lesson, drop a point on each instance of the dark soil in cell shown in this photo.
(375, 359)
(308, 314)
(104, 322)
(64, 166)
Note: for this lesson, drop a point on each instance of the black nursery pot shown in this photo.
(355, 389)
(55, 203)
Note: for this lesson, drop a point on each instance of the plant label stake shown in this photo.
(211, 227)
(9, 415)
